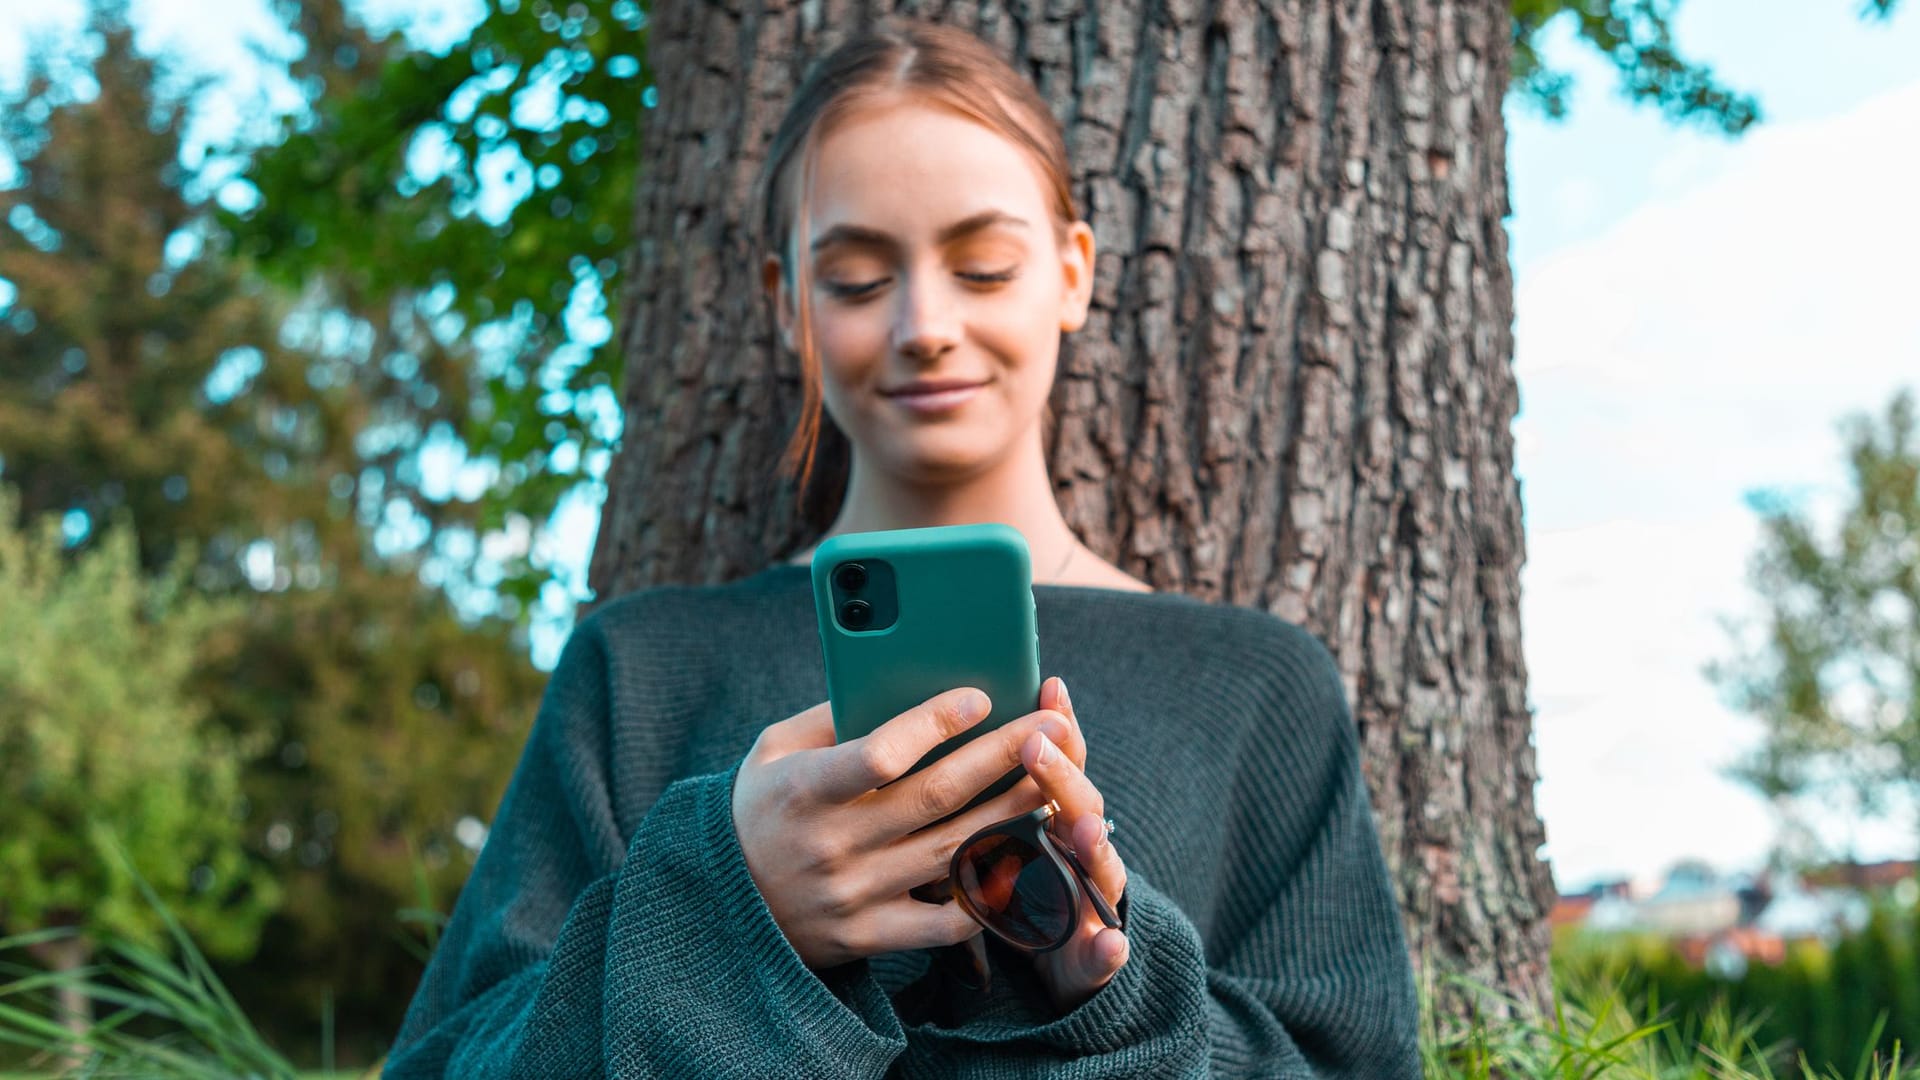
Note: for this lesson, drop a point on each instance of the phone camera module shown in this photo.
(851, 576)
(856, 614)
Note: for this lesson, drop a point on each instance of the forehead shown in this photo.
(908, 169)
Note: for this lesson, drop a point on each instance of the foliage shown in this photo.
(1829, 1004)
(150, 372)
(1636, 36)
(1835, 680)
(204, 1031)
(99, 733)
(549, 106)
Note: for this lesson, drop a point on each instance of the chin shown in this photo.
(939, 455)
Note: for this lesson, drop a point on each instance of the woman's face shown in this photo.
(933, 257)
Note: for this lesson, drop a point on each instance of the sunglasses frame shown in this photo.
(1032, 828)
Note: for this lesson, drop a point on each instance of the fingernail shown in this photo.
(976, 705)
(1065, 701)
(1054, 728)
(1046, 750)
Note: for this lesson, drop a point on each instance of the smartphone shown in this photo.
(906, 614)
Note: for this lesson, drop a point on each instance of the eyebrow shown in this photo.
(860, 234)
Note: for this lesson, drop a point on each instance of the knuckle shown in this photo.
(842, 939)
(790, 787)
(947, 716)
(820, 848)
(949, 839)
(874, 762)
(1011, 739)
(938, 793)
(839, 897)
(959, 926)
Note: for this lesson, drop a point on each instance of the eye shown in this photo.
(853, 290)
(994, 278)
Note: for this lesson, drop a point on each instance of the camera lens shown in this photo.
(852, 576)
(856, 614)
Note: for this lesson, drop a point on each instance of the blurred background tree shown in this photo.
(103, 738)
(1834, 676)
(148, 370)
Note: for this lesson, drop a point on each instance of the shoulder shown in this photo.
(1289, 674)
(1260, 646)
(669, 626)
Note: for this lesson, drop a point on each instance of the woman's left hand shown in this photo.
(1075, 971)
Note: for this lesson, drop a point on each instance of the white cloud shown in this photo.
(1707, 344)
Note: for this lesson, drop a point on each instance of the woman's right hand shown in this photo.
(834, 843)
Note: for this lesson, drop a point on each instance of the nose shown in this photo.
(926, 322)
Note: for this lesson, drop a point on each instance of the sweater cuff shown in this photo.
(1160, 993)
(844, 1005)
(695, 960)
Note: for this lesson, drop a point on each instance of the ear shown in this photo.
(775, 284)
(1076, 273)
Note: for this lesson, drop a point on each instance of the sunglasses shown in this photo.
(1022, 887)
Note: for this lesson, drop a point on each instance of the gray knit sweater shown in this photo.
(611, 928)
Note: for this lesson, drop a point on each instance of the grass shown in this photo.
(1594, 1031)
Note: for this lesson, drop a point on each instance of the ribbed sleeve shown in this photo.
(570, 956)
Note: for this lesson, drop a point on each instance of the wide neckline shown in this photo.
(807, 571)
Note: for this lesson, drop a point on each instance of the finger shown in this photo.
(905, 923)
(806, 730)
(1062, 781)
(1054, 696)
(1107, 953)
(884, 754)
(1095, 852)
(942, 788)
(927, 855)
(1085, 966)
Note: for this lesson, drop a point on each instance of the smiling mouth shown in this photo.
(936, 400)
(919, 391)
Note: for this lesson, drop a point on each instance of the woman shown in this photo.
(676, 887)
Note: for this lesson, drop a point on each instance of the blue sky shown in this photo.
(1693, 316)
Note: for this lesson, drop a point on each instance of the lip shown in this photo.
(928, 386)
(937, 401)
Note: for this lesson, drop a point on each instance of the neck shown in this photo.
(1014, 490)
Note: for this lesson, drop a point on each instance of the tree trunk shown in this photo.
(64, 956)
(1294, 391)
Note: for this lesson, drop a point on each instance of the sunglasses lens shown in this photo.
(1016, 890)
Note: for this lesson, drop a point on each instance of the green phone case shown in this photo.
(965, 618)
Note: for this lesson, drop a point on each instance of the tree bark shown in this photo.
(1295, 389)
(64, 956)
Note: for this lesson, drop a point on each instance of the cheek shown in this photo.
(1025, 336)
(851, 340)
(852, 344)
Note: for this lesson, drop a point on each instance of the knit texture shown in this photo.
(610, 926)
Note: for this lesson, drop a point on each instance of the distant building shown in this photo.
(1723, 923)
(1574, 909)
(1870, 877)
